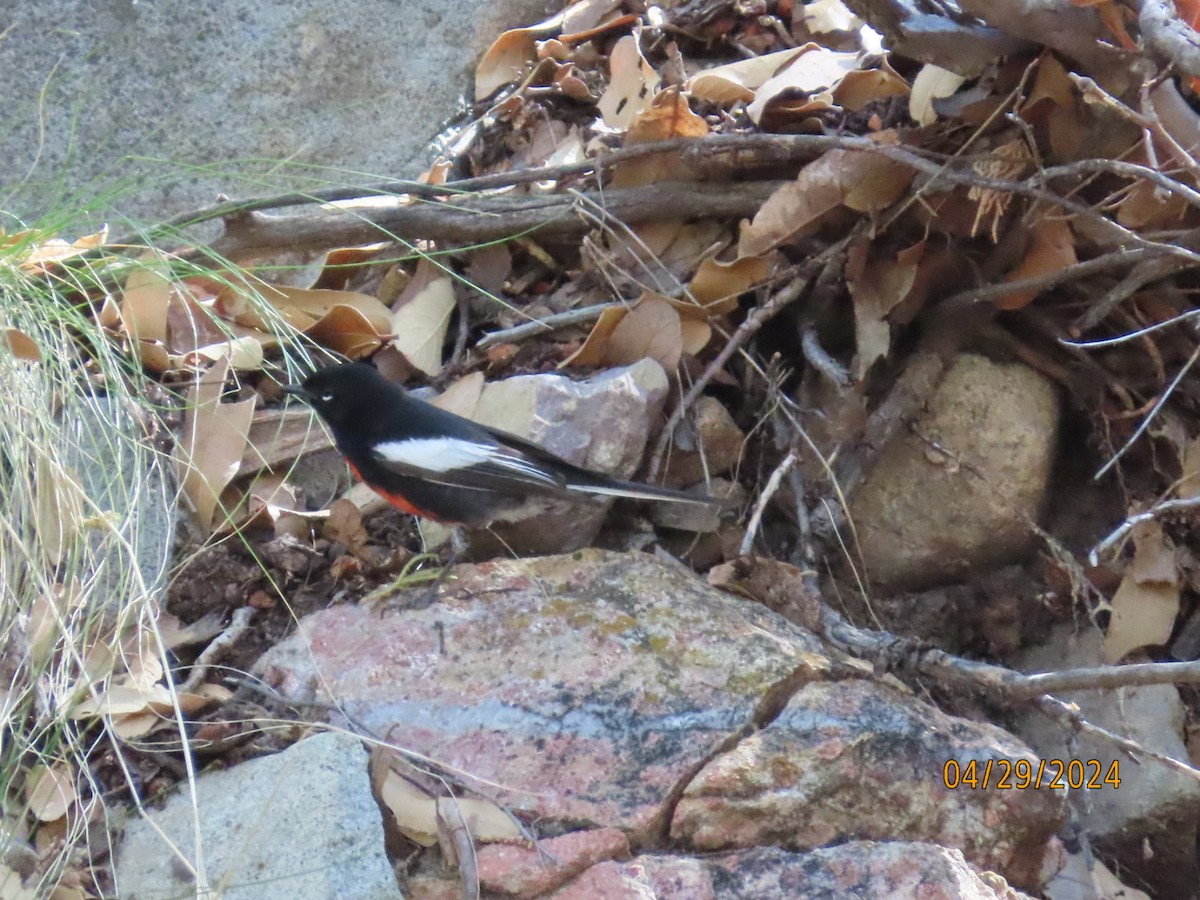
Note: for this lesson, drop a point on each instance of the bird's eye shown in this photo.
(327, 398)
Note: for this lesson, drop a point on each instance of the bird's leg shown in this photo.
(458, 549)
(404, 594)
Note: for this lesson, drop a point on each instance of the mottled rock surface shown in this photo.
(956, 493)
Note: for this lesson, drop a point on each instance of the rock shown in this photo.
(592, 685)
(528, 871)
(858, 869)
(957, 493)
(601, 423)
(301, 823)
(1150, 822)
(95, 94)
(849, 760)
(713, 429)
(126, 482)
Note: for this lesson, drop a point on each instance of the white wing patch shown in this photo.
(441, 455)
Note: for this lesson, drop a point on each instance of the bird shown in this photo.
(437, 465)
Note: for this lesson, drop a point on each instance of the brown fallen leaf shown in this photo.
(651, 330)
(667, 116)
(462, 396)
(591, 353)
(213, 442)
(737, 81)
(813, 74)
(877, 286)
(509, 57)
(1146, 604)
(863, 181)
(932, 83)
(717, 285)
(50, 791)
(1051, 248)
(422, 317)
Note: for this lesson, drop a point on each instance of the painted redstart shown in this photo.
(438, 465)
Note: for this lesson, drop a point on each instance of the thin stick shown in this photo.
(542, 326)
(768, 491)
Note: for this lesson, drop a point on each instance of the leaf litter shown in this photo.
(936, 172)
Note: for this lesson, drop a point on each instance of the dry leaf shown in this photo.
(878, 286)
(486, 821)
(668, 116)
(717, 285)
(144, 301)
(651, 330)
(60, 502)
(826, 17)
(694, 334)
(932, 83)
(210, 450)
(414, 811)
(863, 86)
(631, 87)
(344, 525)
(349, 332)
(20, 345)
(1146, 605)
(739, 80)
(592, 351)
(12, 887)
(861, 180)
(422, 317)
(1051, 249)
(50, 791)
(813, 74)
(508, 59)
(584, 15)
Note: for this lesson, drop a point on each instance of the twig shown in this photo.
(768, 492)
(541, 326)
(482, 219)
(1048, 280)
(820, 360)
(1168, 36)
(1119, 533)
(798, 278)
(1145, 423)
(1145, 272)
(1069, 716)
(238, 623)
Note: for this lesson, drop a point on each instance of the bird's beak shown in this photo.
(296, 390)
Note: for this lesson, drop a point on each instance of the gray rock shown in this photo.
(157, 102)
(1155, 808)
(301, 823)
(602, 424)
(130, 489)
(957, 493)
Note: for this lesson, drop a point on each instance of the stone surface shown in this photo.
(601, 423)
(593, 685)
(529, 871)
(160, 101)
(1155, 809)
(126, 483)
(850, 760)
(586, 683)
(881, 871)
(956, 494)
(711, 446)
(301, 823)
